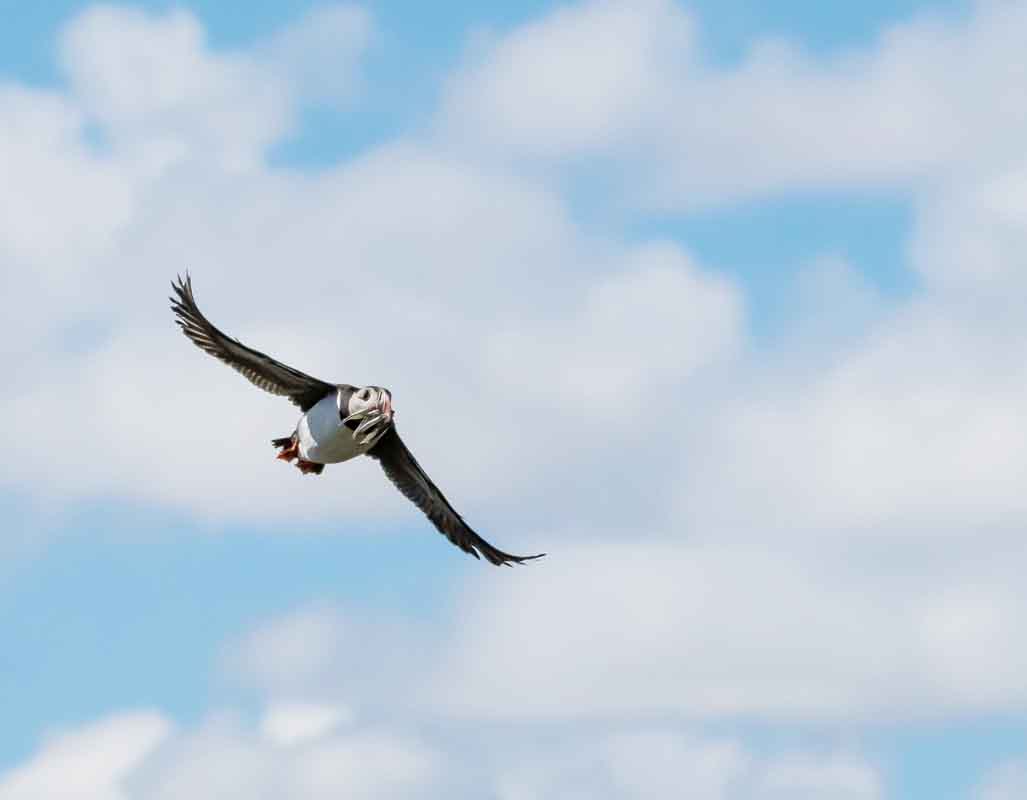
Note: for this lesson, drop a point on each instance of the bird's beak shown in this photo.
(375, 422)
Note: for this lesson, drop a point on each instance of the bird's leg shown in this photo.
(307, 467)
(290, 449)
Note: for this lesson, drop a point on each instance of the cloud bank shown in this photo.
(823, 534)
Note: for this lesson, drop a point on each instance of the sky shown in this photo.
(718, 304)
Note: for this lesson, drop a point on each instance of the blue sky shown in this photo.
(708, 301)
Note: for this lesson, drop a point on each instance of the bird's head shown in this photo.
(372, 407)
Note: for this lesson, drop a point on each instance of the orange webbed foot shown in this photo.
(309, 467)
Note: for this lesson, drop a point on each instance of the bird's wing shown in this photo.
(403, 470)
(259, 369)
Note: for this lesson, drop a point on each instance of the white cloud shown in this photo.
(777, 634)
(49, 171)
(800, 777)
(321, 53)
(323, 657)
(440, 344)
(299, 649)
(225, 757)
(713, 632)
(465, 274)
(646, 763)
(585, 78)
(625, 82)
(913, 431)
(475, 266)
(557, 379)
(970, 237)
(661, 762)
(640, 333)
(1008, 781)
(371, 765)
(62, 207)
(157, 98)
(293, 723)
(88, 763)
(163, 97)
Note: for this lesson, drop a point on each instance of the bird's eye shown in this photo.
(365, 394)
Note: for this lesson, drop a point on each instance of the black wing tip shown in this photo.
(501, 559)
(183, 290)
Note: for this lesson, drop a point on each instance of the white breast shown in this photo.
(323, 437)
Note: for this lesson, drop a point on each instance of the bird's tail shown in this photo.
(282, 442)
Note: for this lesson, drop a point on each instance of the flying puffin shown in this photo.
(339, 422)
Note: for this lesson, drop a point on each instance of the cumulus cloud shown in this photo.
(63, 208)
(476, 312)
(687, 133)
(157, 91)
(646, 330)
(321, 53)
(293, 723)
(735, 534)
(914, 431)
(162, 96)
(969, 238)
(585, 78)
(631, 764)
(320, 652)
(711, 632)
(1004, 782)
(466, 255)
(697, 632)
(223, 755)
(146, 97)
(88, 763)
(463, 256)
(839, 777)
(449, 338)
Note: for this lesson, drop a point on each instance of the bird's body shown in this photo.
(322, 436)
(339, 423)
(331, 430)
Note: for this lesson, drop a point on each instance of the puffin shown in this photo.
(339, 422)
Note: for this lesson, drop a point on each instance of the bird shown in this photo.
(339, 422)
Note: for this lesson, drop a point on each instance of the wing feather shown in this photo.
(403, 470)
(258, 368)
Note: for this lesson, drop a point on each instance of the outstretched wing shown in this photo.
(259, 369)
(403, 470)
